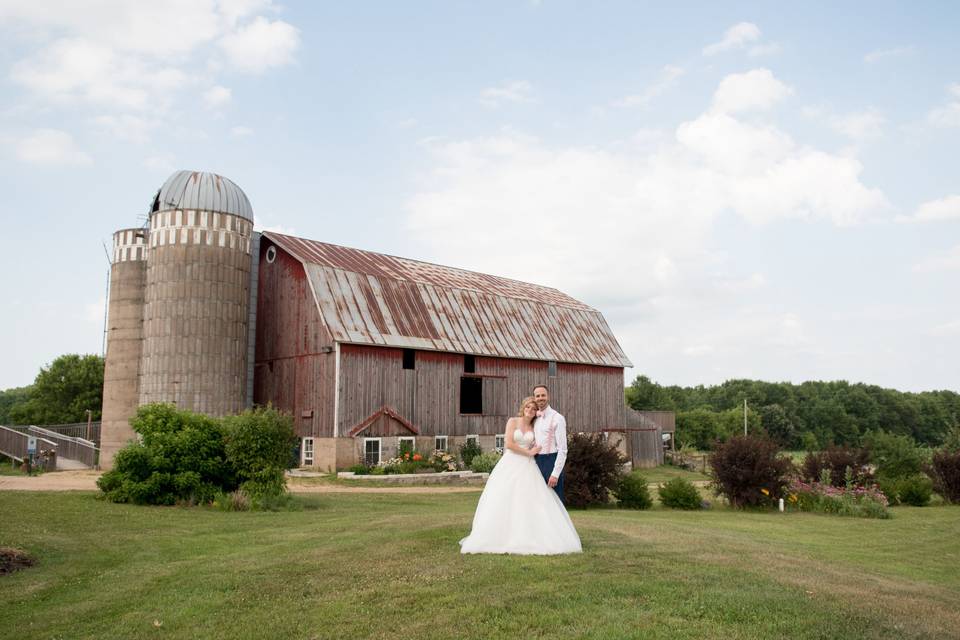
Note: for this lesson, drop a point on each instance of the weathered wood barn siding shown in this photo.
(295, 359)
(590, 397)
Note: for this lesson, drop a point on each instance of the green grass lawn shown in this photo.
(667, 472)
(388, 566)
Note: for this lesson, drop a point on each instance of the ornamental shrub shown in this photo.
(944, 470)
(181, 458)
(593, 470)
(679, 493)
(632, 492)
(749, 471)
(485, 462)
(859, 502)
(915, 490)
(836, 460)
(468, 450)
(894, 456)
(258, 445)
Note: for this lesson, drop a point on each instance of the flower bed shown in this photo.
(442, 477)
(861, 502)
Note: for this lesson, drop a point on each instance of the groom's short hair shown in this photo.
(541, 386)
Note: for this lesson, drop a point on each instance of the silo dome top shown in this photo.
(202, 191)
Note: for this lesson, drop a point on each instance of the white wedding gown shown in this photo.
(518, 513)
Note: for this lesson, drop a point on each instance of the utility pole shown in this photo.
(744, 416)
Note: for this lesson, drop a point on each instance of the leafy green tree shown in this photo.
(731, 423)
(646, 395)
(9, 400)
(698, 428)
(778, 425)
(63, 392)
(259, 444)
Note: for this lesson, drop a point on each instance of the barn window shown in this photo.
(371, 450)
(271, 254)
(474, 438)
(409, 443)
(409, 359)
(471, 395)
(469, 364)
(440, 443)
(308, 452)
(498, 442)
(552, 369)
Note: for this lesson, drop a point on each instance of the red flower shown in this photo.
(417, 457)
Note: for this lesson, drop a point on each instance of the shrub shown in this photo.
(443, 461)
(679, 493)
(593, 470)
(944, 470)
(915, 490)
(468, 450)
(894, 456)
(632, 492)
(862, 502)
(749, 471)
(836, 460)
(181, 458)
(360, 469)
(485, 462)
(258, 445)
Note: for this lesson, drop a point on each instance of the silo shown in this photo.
(197, 299)
(124, 340)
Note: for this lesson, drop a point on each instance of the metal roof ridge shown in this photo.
(581, 306)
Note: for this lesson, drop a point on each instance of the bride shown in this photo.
(518, 512)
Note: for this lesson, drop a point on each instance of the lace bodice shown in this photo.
(523, 438)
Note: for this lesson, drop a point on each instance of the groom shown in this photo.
(550, 432)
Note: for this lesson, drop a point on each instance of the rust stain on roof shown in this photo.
(371, 298)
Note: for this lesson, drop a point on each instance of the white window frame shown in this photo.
(379, 449)
(413, 442)
(473, 437)
(438, 439)
(305, 460)
(499, 442)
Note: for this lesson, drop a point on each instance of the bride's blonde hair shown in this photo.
(524, 403)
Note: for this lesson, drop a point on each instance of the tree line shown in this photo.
(809, 415)
(62, 393)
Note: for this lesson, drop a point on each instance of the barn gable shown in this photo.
(375, 299)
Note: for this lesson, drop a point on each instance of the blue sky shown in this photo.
(743, 189)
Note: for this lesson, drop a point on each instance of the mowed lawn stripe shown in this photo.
(387, 566)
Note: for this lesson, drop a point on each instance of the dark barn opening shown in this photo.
(469, 364)
(409, 359)
(471, 395)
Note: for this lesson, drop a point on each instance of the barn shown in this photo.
(365, 350)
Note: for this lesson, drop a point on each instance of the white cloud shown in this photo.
(633, 209)
(881, 54)
(755, 89)
(668, 77)
(216, 97)
(241, 131)
(946, 208)
(161, 162)
(516, 91)
(947, 115)
(128, 127)
(736, 37)
(51, 147)
(946, 329)
(859, 126)
(260, 45)
(764, 49)
(948, 260)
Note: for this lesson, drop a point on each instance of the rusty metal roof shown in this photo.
(202, 191)
(371, 298)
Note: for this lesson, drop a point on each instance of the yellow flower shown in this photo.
(764, 492)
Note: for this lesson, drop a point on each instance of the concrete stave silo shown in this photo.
(124, 340)
(196, 307)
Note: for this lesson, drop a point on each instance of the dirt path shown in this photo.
(87, 481)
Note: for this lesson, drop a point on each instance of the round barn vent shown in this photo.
(271, 254)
